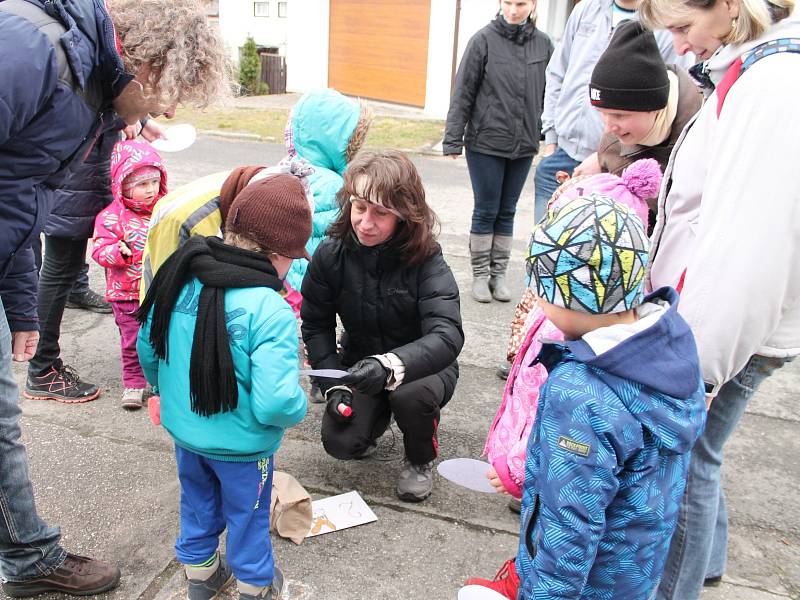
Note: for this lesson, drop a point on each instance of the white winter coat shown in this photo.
(729, 214)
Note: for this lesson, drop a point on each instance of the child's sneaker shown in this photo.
(273, 592)
(505, 583)
(211, 586)
(132, 398)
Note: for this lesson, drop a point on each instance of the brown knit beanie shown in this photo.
(274, 213)
(235, 183)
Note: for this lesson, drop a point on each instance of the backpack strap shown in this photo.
(49, 26)
(738, 66)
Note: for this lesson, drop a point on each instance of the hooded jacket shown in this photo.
(60, 71)
(262, 333)
(607, 458)
(499, 92)
(729, 213)
(318, 130)
(125, 220)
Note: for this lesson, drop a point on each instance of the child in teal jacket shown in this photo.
(221, 345)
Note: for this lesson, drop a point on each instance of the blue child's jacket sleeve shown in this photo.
(147, 356)
(276, 396)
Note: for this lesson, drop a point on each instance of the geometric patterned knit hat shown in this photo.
(590, 255)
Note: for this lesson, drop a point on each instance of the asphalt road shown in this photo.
(107, 477)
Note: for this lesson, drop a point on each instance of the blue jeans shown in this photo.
(28, 547)
(545, 178)
(699, 545)
(216, 494)
(496, 185)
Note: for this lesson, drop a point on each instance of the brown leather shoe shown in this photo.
(77, 576)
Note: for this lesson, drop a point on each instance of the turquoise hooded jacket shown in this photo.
(322, 124)
(263, 338)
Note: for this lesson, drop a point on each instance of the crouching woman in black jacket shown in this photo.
(382, 272)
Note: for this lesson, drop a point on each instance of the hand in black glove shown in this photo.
(368, 376)
(339, 400)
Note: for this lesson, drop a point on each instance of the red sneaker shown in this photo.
(506, 582)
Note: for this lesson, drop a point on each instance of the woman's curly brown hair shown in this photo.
(186, 57)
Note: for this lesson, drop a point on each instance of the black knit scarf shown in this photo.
(212, 379)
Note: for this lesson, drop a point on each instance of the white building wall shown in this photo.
(307, 47)
(307, 43)
(237, 21)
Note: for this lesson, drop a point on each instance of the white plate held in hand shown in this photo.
(467, 472)
(177, 138)
(478, 592)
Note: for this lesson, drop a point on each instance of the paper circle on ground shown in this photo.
(178, 137)
(467, 472)
(478, 592)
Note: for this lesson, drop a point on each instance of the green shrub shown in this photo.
(250, 69)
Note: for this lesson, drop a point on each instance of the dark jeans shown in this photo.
(496, 185)
(28, 546)
(81, 284)
(415, 406)
(63, 260)
(545, 178)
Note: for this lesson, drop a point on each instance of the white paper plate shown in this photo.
(478, 592)
(178, 137)
(467, 472)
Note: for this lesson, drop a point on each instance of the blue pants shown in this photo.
(496, 185)
(216, 494)
(545, 178)
(28, 547)
(699, 545)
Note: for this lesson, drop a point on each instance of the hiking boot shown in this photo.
(415, 482)
(88, 300)
(77, 576)
(212, 585)
(60, 383)
(273, 592)
(503, 370)
(132, 398)
(505, 583)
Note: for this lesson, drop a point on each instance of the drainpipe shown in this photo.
(455, 47)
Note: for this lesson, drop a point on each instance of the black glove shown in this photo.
(368, 376)
(338, 406)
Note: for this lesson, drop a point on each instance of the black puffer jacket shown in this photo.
(499, 92)
(384, 305)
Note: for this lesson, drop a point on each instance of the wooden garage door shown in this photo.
(379, 49)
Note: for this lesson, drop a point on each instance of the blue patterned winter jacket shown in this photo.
(607, 460)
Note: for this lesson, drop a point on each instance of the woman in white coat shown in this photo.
(728, 237)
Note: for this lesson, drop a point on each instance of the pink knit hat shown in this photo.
(639, 182)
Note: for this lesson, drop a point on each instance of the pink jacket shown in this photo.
(508, 436)
(125, 219)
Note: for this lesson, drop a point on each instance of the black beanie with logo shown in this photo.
(630, 74)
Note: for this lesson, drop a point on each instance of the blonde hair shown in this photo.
(755, 16)
(185, 57)
(245, 243)
(365, 118)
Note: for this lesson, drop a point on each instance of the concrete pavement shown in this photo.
(107, 477)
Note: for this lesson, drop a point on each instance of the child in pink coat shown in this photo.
(507, 441)
(138, 181)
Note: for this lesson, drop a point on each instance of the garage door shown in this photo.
(379, 50)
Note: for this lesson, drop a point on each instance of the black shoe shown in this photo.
(503, 370)
(712, 581)
(60, 383)
(88, 300)
(315, 395)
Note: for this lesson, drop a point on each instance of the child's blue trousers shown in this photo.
(216, 494)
